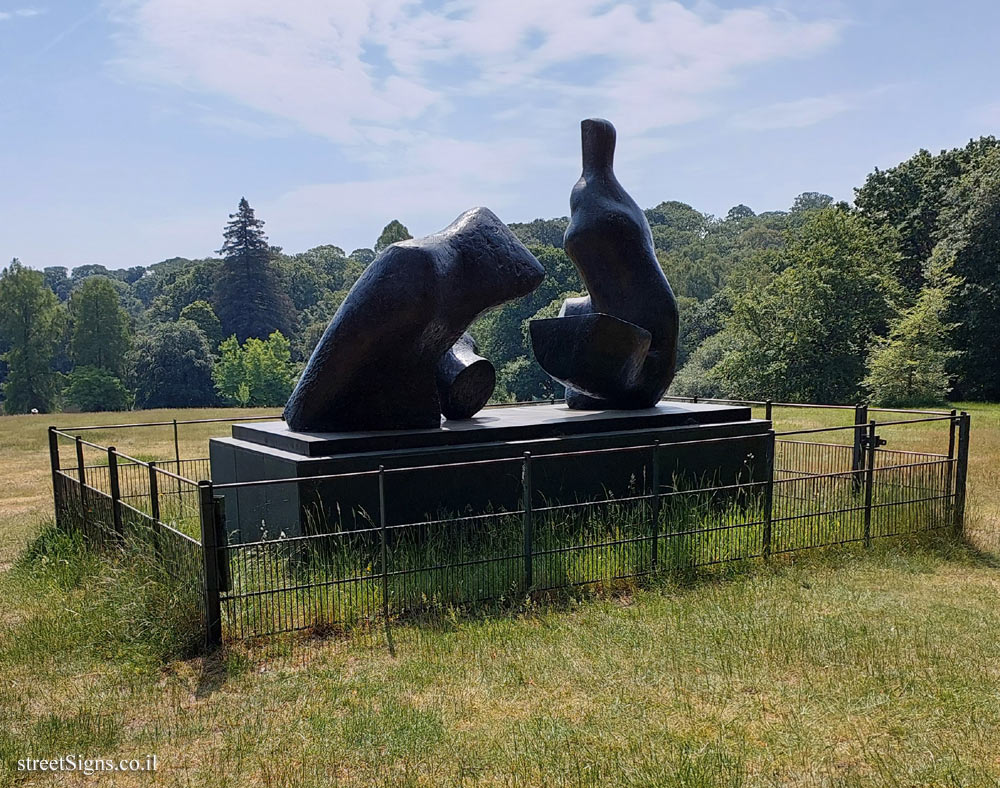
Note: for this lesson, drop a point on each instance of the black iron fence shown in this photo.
(813, 488)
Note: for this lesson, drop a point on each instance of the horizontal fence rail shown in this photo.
(116, 501)
(812, 488)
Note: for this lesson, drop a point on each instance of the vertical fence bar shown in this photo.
(768, 410)
(527, 522)
(384, 560)
(177, 450)
(210, 564)
(858, 457)
(154, 509)
(871, 441)
(115, 490)
(81, 472)
(177, 470)
(949, 471)
(221, 543)
(655, 519)
(54, 465)
(961, 471)
(768, 493)
(154, 493)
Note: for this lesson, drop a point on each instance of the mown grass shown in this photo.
(843, 668)
(849, 668)
(26, 498)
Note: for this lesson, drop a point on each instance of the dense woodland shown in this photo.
(894, 300)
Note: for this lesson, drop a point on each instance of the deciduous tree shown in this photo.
(171, 367)
(31, 326)
(394, 231)
(909, 368)
(259, 373)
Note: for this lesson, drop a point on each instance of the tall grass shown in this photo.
(334, 579)
(120, 601)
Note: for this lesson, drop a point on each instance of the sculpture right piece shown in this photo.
(617, 346)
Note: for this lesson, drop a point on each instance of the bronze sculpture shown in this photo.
(617, 346)
(394, 356)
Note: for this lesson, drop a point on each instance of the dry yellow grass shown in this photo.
(26, 495)
(983, 511)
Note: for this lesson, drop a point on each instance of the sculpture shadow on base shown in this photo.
(395, 355)
(617, 346)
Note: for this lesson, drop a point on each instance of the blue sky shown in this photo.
(131, 128)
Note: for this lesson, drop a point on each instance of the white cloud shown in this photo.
(454, 106)
(20, 12)
(306, 61)
(808, 111)
(794, 114)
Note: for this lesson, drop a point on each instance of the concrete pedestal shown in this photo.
(425, 490)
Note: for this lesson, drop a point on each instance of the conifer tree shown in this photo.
(249, 298)
(100, 335)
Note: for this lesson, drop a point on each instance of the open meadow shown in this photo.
(842, 667)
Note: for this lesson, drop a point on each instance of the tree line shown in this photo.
(893, 299)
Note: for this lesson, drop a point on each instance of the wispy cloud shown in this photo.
(21, 13)
(805, 111)
(351, 73)
(475, 94)
(793, 114)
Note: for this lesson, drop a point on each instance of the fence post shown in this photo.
(527, 522)
(858, 457)
(655, 519)
(768, 410)
(871, 443)
(961, 471)
(210, 564)
(154, 492)
(54, 464)
(768, 492)
(177, 470)
(384, 560)
(116, 509)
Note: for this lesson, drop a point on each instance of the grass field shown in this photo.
(840, 668)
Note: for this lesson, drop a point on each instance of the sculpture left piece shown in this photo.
(396, 352)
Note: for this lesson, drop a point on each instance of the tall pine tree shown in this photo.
(249, 298)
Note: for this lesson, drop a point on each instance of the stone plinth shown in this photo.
(687, 434)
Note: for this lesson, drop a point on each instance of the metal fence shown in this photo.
(813, 488)
(114, 499)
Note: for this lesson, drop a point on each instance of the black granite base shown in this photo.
(687, 434)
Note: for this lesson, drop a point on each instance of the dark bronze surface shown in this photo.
(610, 243)
(377, 365)
(465, 380)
